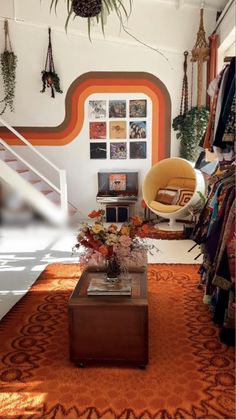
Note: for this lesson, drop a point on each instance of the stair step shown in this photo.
(35, 181)
(10, 160)
(21, 171)
(46, 192)
(72, 211)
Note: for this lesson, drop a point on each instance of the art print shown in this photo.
(118, 150)
(117, 130)
(138, 108)
(117, 109)
(137, 130)
(97, 110)
(138, 150)
(98, 150)
(97, 130)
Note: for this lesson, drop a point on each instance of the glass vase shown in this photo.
(112, 270)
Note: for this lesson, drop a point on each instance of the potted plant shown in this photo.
(98, 9)
(190, 129)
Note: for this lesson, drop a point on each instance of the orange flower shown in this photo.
(103, 250)
(112, 228)
(125, 230)
(96, 214)
(137, 221)
(143, 231)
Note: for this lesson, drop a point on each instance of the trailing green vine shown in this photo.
(190, 129)
(8, 69)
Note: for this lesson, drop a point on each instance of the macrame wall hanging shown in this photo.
(200, 54)
(50, 78)
(184, 97)
(8, 70)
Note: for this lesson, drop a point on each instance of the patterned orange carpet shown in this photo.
(190, 373)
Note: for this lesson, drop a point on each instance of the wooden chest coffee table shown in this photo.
(109, 328)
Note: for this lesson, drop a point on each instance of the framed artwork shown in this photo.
(117, 182)
(138, 150)
(97, 110)
(137, 130)
(138, 108)
(98, 150)
(97, 130)
(117, 109)
(118, 150)
(117, 130)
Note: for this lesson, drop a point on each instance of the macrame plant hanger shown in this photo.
(184, 97)
(200, 54)
(49, 76)
(8, 70)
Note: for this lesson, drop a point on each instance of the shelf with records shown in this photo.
(118, 129)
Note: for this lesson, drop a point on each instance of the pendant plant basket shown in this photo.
(8, 70)
(87, 8)
(98, 9)
(50, 78)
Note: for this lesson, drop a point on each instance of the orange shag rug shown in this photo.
(190, 373)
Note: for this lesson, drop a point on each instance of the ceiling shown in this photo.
(211, 4)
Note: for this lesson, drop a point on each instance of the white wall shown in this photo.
(227, 35)
(163, 26)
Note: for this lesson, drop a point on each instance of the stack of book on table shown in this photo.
(100, 287)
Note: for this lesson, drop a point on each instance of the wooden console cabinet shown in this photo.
(110, 329)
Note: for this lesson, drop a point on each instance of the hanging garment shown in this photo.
(230, 129)
(228, 95)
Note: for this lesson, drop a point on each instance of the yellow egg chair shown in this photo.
(170, 188)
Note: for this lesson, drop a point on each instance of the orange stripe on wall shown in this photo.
(76, 97)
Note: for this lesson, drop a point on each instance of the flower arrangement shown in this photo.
(118, 247)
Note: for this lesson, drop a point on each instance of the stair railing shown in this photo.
(62, 190)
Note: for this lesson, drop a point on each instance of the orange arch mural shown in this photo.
(104, 82)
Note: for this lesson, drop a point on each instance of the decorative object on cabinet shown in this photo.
(50, 78)
(8, 69)
(113, 246)
(173, 174)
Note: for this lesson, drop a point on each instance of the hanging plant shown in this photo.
(190, 129)
(50, 78)
(99, 10)
(8, 69)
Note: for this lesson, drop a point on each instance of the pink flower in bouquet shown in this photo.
(125, 241)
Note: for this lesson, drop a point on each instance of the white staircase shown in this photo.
(45, 197)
